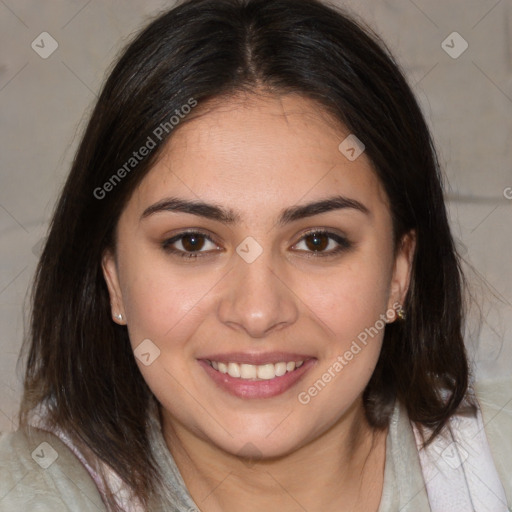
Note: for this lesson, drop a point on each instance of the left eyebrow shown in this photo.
(326, 205)
(229, 217)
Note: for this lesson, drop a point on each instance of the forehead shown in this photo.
(251, 151)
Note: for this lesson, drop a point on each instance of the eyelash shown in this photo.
(344, 244)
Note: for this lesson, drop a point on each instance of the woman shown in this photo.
(250, 297)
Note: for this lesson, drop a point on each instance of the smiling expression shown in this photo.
(251, 256)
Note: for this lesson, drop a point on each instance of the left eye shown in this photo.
(317, 243)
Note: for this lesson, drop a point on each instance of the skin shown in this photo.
(257, 155)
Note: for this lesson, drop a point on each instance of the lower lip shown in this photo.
(243, 388)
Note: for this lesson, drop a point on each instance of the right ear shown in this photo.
(111, 275)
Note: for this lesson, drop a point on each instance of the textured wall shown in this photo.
(466, 96)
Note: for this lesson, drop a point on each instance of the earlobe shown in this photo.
(110, 274)
(402, 273)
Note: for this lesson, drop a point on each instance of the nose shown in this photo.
(256, 298)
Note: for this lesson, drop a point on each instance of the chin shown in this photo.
(259, 446)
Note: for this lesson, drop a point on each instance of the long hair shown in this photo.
(80, 362)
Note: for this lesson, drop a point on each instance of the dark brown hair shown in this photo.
(80, 362)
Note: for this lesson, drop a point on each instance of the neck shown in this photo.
(341, 470)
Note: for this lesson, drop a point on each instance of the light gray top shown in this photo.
(65, 485)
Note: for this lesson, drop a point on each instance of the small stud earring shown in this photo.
(401, 315)
(119, 316)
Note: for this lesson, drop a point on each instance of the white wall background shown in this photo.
(467, 100)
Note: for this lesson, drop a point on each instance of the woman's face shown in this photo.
(294, 315)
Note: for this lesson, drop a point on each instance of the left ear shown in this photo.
(402, 270)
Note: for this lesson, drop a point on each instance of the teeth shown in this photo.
(290, 366)
(248, 371)
(266, 371)
(256, 372)
(280, 369)
(234, 369)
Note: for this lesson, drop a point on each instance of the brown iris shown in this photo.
(192, 242)
(319, 241)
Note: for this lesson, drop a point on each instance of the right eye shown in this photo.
(191, 244)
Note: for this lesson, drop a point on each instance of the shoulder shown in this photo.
(39, 472)
(495, 401)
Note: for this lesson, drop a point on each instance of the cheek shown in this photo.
(351, 298)
(355, 312)
(352, 303)
(162, 301)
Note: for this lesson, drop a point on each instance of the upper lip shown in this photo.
(255, 358)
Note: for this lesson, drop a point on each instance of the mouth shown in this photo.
(255, 372)
(254, 377)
